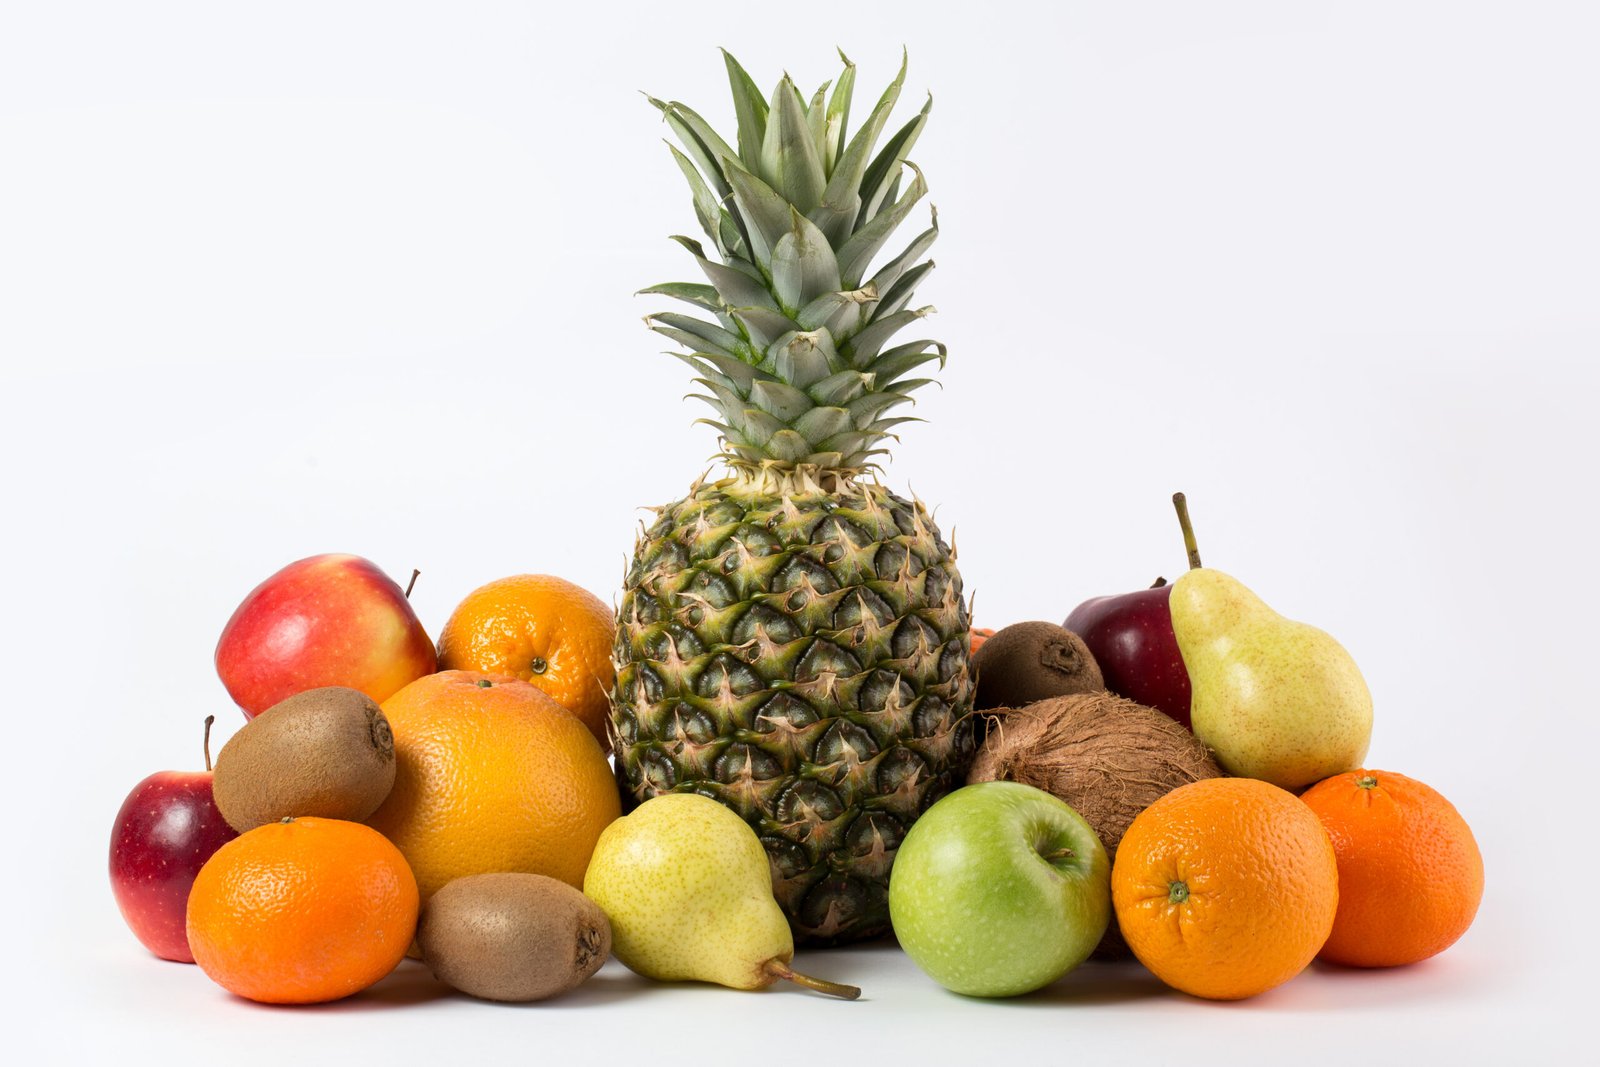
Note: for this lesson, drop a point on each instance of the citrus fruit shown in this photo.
(1410, 874)
(492, 775)
(1225, 887)
(302, 911)
(542, 630)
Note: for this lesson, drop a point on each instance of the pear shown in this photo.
(1274, 699)
(687, 887)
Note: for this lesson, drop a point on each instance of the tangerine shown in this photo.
(1225, 887)
(542, 630)
(1410, 874)
(302, 911)
(492, 775)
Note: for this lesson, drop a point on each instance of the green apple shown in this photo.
(999, 889)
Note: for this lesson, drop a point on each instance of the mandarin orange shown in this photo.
(542, 630)
(302, 911)
(1225, 887)
(492, 775)
(1410, 874)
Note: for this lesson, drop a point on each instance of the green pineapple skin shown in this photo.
(802, 656)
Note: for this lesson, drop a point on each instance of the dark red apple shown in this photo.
(327, 620)
(1130, 637)
(167, 829)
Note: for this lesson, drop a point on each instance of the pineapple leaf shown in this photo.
(707, 208)
(750, 110)
(789, 161)
(840, 388)
(817, 124)
(766, 214)
(739, 374)
(890, 272)
(696, 333)
(839, 113)
(902, 359)
(804, 359)
(864, 347)
(886, 167)
(819, 424)
(856, 255)
(788, 446)
(900, 294)
(845, 184)
(701, 296)
(738, 283)
(764, 324)
(836, 311)
(803, 266)
(782, 401)
(867, 408)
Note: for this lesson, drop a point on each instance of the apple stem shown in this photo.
(207, 742)
(776, 968)
(412, 584)
(1158, 583)
(1182, 505)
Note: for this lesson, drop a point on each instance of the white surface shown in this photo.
(282, 279)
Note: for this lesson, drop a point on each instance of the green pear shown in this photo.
(1275, 699)
(687, 887)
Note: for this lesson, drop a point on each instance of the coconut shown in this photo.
(1107, 757)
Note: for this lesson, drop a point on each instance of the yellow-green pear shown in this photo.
(1275, 699)
(687, 887)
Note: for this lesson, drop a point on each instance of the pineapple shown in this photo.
(792, 638)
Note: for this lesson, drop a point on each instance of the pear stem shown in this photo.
(1182, 505)
(777, 968)
(206, 741)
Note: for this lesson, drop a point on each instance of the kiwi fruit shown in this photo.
(1029, 661)
(512, 937)
(324, 752)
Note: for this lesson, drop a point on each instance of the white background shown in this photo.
(278, 279)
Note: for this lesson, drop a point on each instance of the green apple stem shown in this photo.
(412, 584)
(207, 741)
(1182, 505)
(779, 969)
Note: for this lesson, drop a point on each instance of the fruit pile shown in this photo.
(790, 732)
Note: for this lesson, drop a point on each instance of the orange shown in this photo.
(1226, 887)
(543, 630)
(1410, 874)
(492, 775)
(302, 911)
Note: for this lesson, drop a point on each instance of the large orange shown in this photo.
(1410, 874)
(302, 911)
(543, 630)
(1226, 887)
(492, 775)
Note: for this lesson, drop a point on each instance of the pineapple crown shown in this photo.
(797, 364)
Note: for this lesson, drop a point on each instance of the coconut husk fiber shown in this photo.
(1107, 757)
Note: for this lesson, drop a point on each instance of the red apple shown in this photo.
(1130, 637)
(327, 620)
(167, 829)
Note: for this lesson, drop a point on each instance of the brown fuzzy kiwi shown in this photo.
(1029, 661)
(1107, 757)
(325, 752)
(512, 937)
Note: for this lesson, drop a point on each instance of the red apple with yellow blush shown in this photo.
(328, 620)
